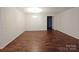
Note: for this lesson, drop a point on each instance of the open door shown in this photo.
(49, 22)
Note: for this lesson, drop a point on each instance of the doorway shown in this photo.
(49, 22)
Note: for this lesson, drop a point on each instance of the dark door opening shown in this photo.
(49, 22)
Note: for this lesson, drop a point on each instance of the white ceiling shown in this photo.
(54, 10)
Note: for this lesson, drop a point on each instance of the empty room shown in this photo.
(39, 29)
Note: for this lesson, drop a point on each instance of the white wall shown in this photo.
(36, 24)
(11, 25)
(68, 22)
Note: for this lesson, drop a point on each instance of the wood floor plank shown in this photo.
(43, 41)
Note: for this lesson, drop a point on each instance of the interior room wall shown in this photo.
(11, 25)
(68, 22)
(36, 24)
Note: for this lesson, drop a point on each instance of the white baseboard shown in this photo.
(37, 30)
(74, 36)
(4, 45)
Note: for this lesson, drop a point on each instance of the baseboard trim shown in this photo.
(67, 34)
(36, 30)
(11, 40)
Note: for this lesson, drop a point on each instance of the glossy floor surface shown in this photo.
(43, 41)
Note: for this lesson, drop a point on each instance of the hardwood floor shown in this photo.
(43, 41)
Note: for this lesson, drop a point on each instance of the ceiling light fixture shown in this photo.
(34, 16)
(34, 10)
